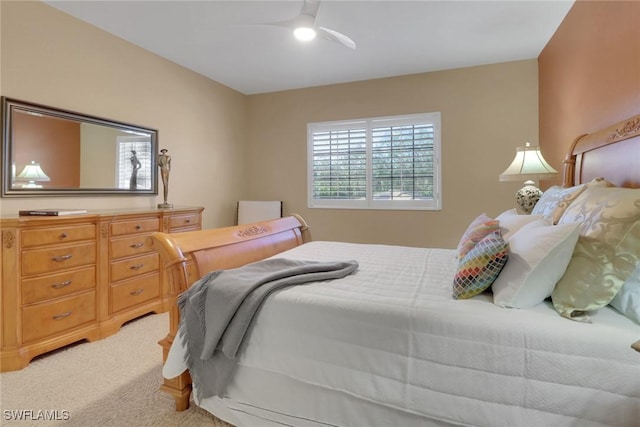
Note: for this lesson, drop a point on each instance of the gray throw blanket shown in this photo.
(217, 310)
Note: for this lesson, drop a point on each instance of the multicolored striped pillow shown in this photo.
(480, 267)
(477, 230)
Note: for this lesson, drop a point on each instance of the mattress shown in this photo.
(389, 346)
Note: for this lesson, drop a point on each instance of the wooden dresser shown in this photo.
(76, 277)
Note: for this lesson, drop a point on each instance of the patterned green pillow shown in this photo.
(607, 251)
(480, 267)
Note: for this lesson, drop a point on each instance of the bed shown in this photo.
(389, 346)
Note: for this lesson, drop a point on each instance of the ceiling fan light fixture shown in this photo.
(304, 34)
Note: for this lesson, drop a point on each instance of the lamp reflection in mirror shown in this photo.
(528, 165)
(32, 173)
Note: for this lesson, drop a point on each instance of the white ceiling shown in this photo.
(224, 40)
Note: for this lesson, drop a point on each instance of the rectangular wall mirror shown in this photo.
(51, 152)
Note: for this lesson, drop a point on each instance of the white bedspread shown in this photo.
(389, 346)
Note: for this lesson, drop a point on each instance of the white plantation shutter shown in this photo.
(339, 164)
(378, 163)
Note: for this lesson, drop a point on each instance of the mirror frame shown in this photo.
(8, 148)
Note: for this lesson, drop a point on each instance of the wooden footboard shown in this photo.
(188, 256)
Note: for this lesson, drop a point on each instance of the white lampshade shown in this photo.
(32, 173)
(528, 165)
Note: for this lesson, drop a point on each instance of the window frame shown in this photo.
(435, 203)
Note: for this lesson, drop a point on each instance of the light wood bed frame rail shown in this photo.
(613, 153)
(188, 256)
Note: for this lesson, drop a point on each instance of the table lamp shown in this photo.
(528, 165)
(32, 173)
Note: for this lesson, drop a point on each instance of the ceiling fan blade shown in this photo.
(289, 23)
(298, 21)
(310, 8)
(338, 37)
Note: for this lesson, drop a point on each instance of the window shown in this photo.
(377, 163)
(134, 162)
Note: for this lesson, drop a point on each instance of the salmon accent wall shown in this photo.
(589, 74)
(53, 143)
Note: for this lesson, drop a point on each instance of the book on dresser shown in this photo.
(51, 212)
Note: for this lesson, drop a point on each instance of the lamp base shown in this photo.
(31, 184)
(528, 196)
(165, 206)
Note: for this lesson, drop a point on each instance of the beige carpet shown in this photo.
(111, 382)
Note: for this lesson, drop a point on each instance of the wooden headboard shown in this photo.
(612, 153)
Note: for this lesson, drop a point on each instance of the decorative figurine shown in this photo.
(135, 166)
(164, 162)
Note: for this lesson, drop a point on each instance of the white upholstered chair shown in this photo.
(249, 211)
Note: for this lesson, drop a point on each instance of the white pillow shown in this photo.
(555, 201)
(511, 221)
(627, 300)
(538, 257)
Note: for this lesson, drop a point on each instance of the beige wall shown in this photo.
(486, 111)
(227, 146)
(53, 59)
(589, 73)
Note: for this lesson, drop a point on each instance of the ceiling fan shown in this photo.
(305, 28)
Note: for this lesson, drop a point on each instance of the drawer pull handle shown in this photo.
(137, 245)
(62, 315)
(138, 227)
(187, 221)
(61, 258)
(137, 292)
(64, 235)
(137, 266)
(61, 284)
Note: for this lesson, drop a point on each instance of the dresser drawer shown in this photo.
(55, 235)
(128, 246)
(57, 285)
(143, 225)
(135, 266)
(135, 291)
(41, 320)
(46, 260)
(184, 221)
